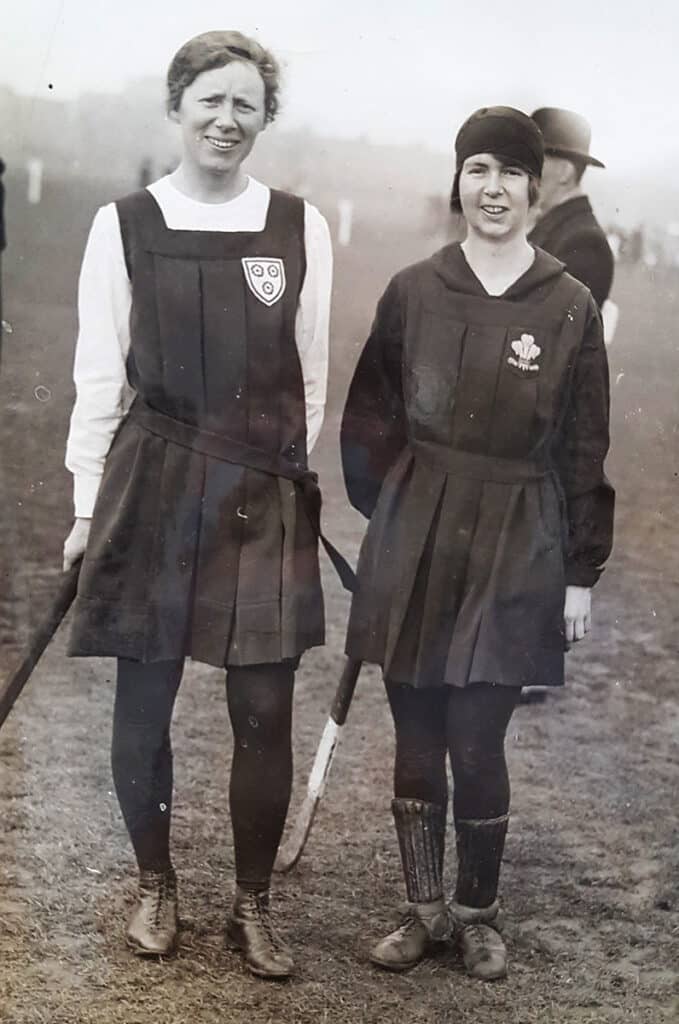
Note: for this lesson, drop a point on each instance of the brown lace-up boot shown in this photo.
(250, 929)
(420, 828)
(152, 929)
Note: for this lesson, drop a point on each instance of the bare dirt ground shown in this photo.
(591, 880)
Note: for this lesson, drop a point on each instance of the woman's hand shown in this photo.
(76, 542)
(577, 612)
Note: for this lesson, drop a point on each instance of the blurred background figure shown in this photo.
(566, 225)
(567, 228)
(3, 243)
(145, 173)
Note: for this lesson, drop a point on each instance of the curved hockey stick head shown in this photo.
(291, 850)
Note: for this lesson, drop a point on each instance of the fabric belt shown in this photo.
(477, 466)
(227, 449)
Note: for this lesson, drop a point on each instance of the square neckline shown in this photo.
(209, 232)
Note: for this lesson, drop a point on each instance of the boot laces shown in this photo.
(161, 890)
(266, 921)
(409, 922)
(483, 937)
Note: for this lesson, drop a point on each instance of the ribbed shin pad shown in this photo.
(480, 845)
(421, 828)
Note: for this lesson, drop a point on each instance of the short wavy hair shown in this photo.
(214, 50)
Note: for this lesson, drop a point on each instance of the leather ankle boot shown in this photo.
(250, 929)
(422, 924)
(477, 931)
(152, 929)
(420, 828)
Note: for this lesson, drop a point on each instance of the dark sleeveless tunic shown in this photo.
(474, 437)
(189, 554)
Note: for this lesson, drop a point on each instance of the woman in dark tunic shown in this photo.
(474, 438)
(205, 297)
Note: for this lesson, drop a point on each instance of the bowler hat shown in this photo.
(565, 133)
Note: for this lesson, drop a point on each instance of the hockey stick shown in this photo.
(291, 850)
(38, 641)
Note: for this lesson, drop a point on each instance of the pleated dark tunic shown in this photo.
(474, 438)
(189, 554)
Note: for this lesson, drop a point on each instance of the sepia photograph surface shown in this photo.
(422, 260)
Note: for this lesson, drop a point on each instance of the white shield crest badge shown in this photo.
(265, 278)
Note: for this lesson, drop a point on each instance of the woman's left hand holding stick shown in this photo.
(76, 542)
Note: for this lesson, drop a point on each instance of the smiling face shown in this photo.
(494, 196)
(221, 113)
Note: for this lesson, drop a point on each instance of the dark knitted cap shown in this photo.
(504, 132)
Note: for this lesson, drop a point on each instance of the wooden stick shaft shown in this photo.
(38, 641)
(291, 851)
(345, 691)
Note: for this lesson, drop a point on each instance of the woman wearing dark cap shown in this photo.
(474, 438)
(204, 297)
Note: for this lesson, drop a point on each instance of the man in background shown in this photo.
(567, 227)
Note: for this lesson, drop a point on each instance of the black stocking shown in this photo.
(260, 708)
(141, 755)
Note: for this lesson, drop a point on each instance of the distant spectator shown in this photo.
(633, 247)
(3, 238)
(145, 173)
(3, 235)
(567, 227)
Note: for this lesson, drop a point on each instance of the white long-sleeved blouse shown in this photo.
(103, 392)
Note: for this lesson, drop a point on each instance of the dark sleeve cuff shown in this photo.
(578, 575)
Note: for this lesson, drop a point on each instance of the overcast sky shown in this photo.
(400, 70)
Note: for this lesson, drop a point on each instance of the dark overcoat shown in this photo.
(189, 554)
(572, 234)
(474, 437)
